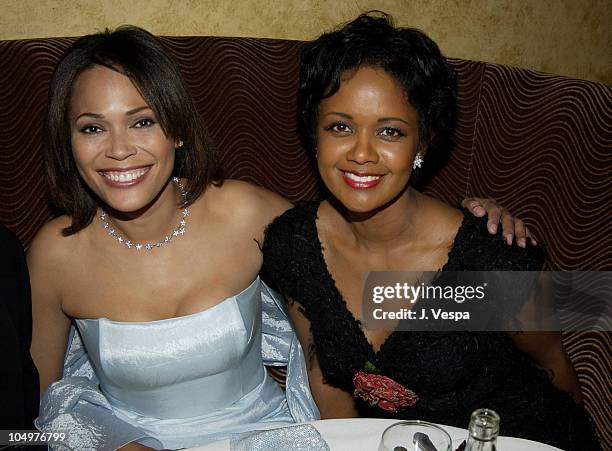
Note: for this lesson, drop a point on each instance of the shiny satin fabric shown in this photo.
(180, 382)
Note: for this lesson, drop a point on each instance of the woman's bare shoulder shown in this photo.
(440, 220)
(50, 246)
(247, 202)
(51, 256)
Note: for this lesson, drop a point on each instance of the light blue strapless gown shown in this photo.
(180, 382)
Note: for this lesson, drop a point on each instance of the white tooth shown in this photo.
(114, 177)
(122, 178)
(362, 179)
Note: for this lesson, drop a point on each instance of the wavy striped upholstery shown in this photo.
(541, 144)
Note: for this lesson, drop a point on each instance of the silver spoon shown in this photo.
(423, 443)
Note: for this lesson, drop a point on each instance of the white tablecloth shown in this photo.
(356, 434)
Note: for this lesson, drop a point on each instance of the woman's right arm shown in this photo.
(50, 325)
(74, 403)
(280, 264)
(332, 402)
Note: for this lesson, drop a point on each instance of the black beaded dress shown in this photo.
(453, 373)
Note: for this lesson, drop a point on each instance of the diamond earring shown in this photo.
(418, 161)
(179, 144)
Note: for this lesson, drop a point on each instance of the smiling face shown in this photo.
(118, 145)
(367, 137)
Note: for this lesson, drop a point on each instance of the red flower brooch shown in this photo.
(382, 391)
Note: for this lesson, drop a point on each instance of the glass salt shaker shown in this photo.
(483, 431)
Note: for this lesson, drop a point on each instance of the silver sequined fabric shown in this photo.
(303, 437)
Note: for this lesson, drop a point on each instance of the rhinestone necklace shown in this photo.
(179, 230)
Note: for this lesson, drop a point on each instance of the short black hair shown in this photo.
(407, 54)
(139, 55)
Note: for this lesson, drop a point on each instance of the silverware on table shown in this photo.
(422, 441)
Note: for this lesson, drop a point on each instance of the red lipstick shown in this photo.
(361, 180)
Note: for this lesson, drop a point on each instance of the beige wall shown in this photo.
(569, 37)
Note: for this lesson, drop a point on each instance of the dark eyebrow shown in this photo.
(136, 110)
(382, 119)
(88, 114)
(100, 116)
(392, 118)
(348, 116)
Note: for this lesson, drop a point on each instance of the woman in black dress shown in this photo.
(377, 109)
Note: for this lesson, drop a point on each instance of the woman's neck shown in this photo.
(394, 223)
(152, 222)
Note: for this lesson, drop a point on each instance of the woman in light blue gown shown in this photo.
(156, 263)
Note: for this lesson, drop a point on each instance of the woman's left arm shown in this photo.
(511, 226)
(547, 351)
